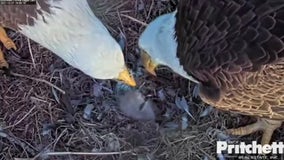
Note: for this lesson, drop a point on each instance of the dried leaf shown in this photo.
(88, 111)
(97, 90)
(206, 112)
(161, 95)
(220, 156)
(141, 7)
(114, 145)
(222, 136)
(112, 142)
(195, 92)
(55, 95)
(168, 114)
(4, 135)
(100, 116)
(184, 122)
(182, 104)
(219, 134)
(47, 128)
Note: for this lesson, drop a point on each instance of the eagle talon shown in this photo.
(9, 45)
(7, 42)
(266, 125)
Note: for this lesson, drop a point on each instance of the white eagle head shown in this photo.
(72, 31)
(158, 45)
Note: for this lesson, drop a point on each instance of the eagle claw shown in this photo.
(9, 44)
(266, 125)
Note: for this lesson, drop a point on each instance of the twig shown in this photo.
(31, 52)
(86, 153)
(134, 19)
(26, 147)
(181, 140)
(29, 44)
(39, 80)
(150, 10)
(38, 99)
(204, 152)
(13, 125)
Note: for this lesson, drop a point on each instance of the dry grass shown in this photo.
(38, 122)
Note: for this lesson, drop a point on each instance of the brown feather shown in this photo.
(13, 15)
(235, 48)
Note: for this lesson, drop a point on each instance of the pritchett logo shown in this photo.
(254, 148)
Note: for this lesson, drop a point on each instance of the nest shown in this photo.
(38, 121)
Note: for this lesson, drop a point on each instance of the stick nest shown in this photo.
(38, 121)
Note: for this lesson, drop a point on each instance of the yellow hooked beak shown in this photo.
(127, 78)
(148, 63)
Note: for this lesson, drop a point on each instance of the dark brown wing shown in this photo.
(220, 42)
(13, 15)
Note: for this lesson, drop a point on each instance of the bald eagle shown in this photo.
(234, 51)
(69, 29)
